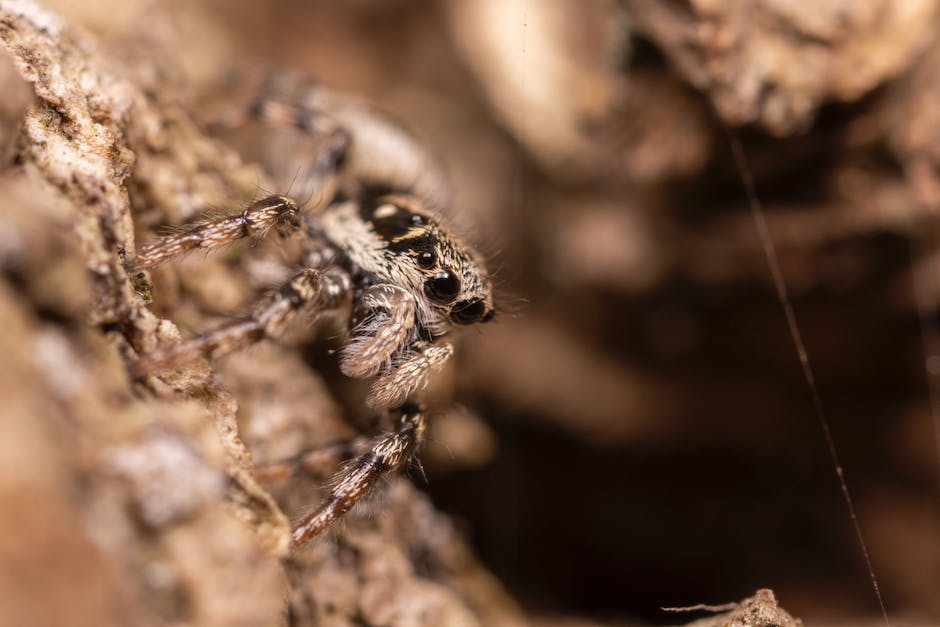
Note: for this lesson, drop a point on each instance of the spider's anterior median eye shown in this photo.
(443, 287)
(468, 311)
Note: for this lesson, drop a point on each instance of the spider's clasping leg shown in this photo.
(385, 314)
(388, 454)
(278, 212)
(306, 290)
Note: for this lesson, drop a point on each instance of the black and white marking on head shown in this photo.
(400, 241)
(391, 220)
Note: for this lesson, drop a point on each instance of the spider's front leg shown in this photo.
(308, 289)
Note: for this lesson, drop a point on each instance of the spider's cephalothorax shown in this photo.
(393, 239)
(413, 281)
(408, 279)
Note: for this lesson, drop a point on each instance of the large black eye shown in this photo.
(467, 311)
(443, 287)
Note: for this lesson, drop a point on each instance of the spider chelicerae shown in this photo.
(375, 246)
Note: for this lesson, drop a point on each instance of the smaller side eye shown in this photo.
(427, 260)
(442, 287)
(467, 311)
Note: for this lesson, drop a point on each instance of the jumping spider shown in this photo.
(374, 243)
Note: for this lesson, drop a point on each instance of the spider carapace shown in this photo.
(373, 244)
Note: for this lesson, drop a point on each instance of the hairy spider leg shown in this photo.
(318, 461)
(388, 453)
(319, 179)
(371, 147)
(257, 220)
(307, 289)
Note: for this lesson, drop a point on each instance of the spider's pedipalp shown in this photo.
(408, 375)
(386, 316)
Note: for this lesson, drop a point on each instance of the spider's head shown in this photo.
(446, 276)
(457, 285)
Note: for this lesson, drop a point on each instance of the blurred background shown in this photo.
(635, 431)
